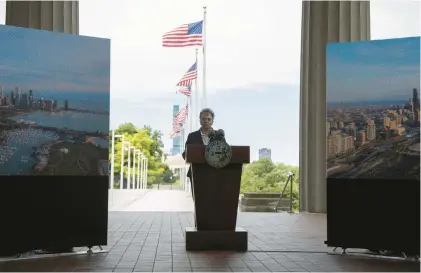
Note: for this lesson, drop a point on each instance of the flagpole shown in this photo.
(196, 95)
(188, 113)
(204, 59)
(183, 131)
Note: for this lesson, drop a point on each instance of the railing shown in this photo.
(268, 202)
(289, 181)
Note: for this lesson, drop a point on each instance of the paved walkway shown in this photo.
(154, 242)
(120, 199)
(142, 241)
(162, 200)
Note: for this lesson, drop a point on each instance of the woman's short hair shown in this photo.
(207, 110)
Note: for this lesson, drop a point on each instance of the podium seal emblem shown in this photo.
(218, 153)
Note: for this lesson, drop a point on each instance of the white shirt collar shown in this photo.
(202, 132)
(205, 138)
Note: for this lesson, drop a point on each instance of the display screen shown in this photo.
(373, 109)
(54, 103)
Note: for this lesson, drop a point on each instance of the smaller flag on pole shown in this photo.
(180, 117)
(176, 129)
(176, 126)
(186, 90)
(185, 35)
(174, 135)
(189, 77)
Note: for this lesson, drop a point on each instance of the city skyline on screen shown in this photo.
(54, 103)
(373, 109)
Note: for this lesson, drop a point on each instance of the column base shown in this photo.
(216, 240)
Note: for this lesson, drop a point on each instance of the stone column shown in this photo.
(59, 16)
(322, 22)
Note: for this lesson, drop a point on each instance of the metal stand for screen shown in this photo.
(382, 255)
(40, 255)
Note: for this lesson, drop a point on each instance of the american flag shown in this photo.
(176, 125)
(174, 135)
(181, 116)
(189, 77)
(185, 35)
(176, 129)
(186, 90)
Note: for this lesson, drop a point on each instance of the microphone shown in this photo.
(211, 133)
(220, 135)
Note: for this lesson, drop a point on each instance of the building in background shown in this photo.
(265, 153)
(415, 99)
(371, 131)
(176, 142)
(327, 128)
(361, 139)
(338, 144)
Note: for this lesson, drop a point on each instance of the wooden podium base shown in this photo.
(216, 192)
(217, 240)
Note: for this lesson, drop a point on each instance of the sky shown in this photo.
(374, 70)
(253, 62)
(53, 62)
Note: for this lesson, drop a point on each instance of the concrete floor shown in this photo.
(162, 200)
(142, 241)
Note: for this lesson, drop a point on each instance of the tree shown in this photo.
(158, 145)
(168, 175)
(149, 143)
(267, 177)
(126, 128)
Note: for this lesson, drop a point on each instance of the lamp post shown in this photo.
(112, 161)
(123, 148)
(135, 169)
(142, 170)
(139, 162)
(143, 184)
(128, 167)
(129, 181)
(112, 158)
(145, 173)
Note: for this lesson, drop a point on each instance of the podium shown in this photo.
(216, 194)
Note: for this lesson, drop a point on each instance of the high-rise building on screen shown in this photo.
(415, 99)
(176, 142)
(371, 130)
(265, 153)
(415, 104)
